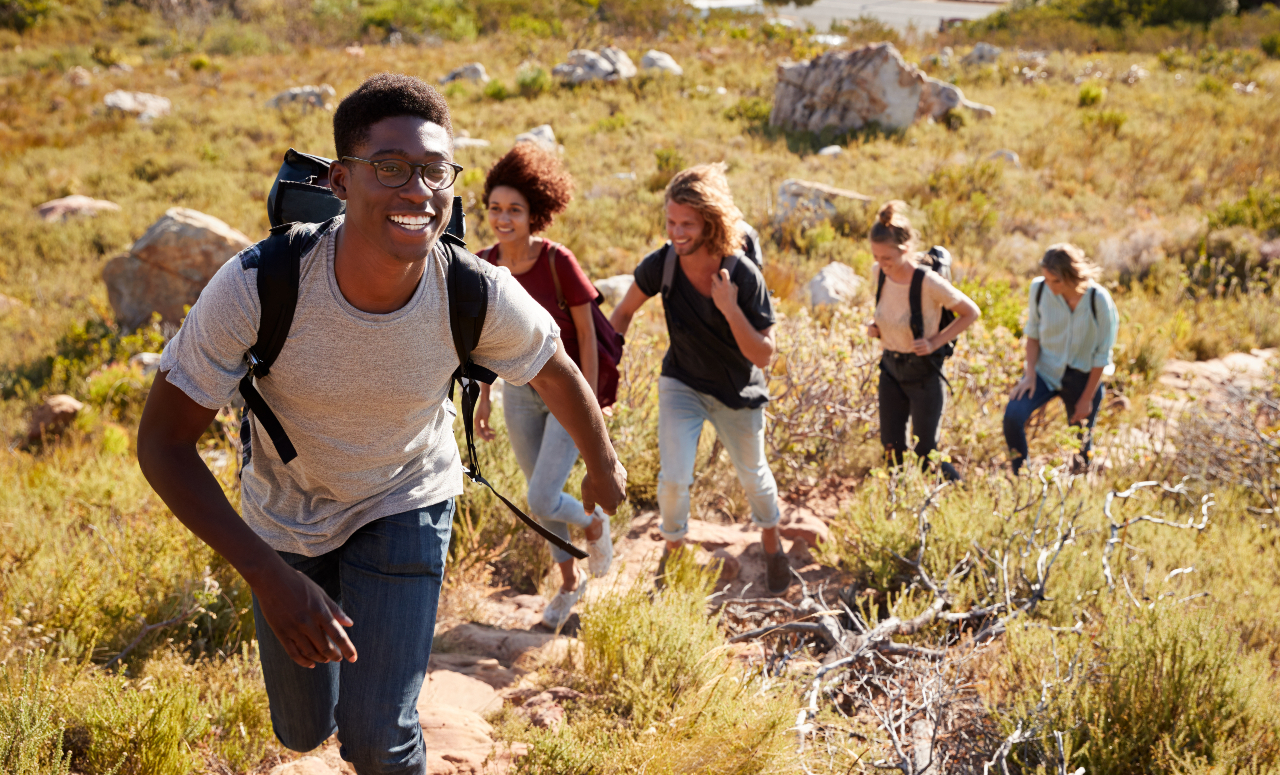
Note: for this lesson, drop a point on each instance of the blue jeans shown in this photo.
(681, 413)
(546, 454)
(1019, 411)
(387, 579)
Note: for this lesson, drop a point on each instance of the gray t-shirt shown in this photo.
(363, 397)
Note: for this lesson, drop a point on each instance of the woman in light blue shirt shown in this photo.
(1071, 330)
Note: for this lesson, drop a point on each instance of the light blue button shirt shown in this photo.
(1081, 339)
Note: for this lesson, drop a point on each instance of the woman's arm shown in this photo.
(588, 355)
(484, 408)
(966, 314)
(626, 309)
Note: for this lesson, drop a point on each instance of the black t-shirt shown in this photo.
(703, 353)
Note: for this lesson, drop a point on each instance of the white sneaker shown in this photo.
(557, 611)
(600, 551)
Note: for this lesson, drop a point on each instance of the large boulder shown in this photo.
(660, 61)
(141, 104)
(169, 265)
(849, 90)
(542, 135)
(72, 206)
(811, 202)
(610, 64)
(982, 54)
(474, 72)
(835, 284)
(939, 97)
(615, 288)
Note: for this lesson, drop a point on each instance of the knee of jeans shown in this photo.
(302, 740)
(382, 755)
(543, 501)
(1013, 421)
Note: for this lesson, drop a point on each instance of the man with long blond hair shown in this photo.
(720, 321)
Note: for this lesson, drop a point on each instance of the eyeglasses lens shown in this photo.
(394, 174)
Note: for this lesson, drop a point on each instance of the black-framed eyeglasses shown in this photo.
(393, 173)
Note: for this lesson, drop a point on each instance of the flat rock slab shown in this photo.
(446, 687)
(523, 649)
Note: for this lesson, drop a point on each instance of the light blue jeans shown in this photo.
(387, 578)
(546, 454)
(681, 412)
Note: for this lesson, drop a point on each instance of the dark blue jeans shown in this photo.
(1020, 410)
(387, 578)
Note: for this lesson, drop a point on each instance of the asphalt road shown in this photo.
(924, 14)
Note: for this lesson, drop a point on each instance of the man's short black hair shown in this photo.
(386, 95)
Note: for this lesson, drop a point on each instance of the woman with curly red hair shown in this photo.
(523, 193)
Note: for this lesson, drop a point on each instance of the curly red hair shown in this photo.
(538, 176)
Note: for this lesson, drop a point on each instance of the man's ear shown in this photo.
(339, 177)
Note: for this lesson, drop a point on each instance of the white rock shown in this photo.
(141, 104)
(848, 90)
(320, 97)
(623, 67)
(615, 288)
(835, 284)
(583, 65)
(937, 97)
(149, 363)
(1007, 155)
(469, 72)
(983, 53)
(661, 61)
(812, 202)
(469, 142)
(830, 150)
(542, 135)
(72, 206)
(827, 39)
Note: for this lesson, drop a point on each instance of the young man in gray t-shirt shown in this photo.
(344, 545)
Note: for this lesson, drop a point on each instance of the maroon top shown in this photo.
(574, 284)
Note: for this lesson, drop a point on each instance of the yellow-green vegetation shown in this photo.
(126, 645)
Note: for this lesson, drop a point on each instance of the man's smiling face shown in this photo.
(403, 222)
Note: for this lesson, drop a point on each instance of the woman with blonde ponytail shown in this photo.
(911, 380)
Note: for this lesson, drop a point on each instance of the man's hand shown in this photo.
(922, 347)
(1083, 407)
(608, 492)
(1025, 387)
(873, 330)
(306, 621)
(723, 292)
(484, 408)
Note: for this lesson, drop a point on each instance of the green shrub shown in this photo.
(1258, 210)
(137, 729)
(1104, 122)
(1211, 86)
(1091, 94)
(999, 303)
(30, 731)
(1271, 45)
(496, 90)
(753, 110)
(669, 163)
(1118, 13)
(532, 82)
(200, 62)
(21, 15)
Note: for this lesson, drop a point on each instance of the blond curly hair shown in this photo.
(706, 189)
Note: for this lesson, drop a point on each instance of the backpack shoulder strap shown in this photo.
(549, 248)
(917, 311)
(879, 286)
(1039, 294)
(668, 269)
(730, 263)
(1093, 302)
(279, 269)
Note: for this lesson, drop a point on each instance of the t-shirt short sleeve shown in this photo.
(940, 293)
(575, 285)
(1032, 328)
(753, 295)
(205, 359)
(519, 336)
(649, 273)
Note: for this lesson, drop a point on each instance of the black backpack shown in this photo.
(297, 195)
(938, 259)
(1093, 299)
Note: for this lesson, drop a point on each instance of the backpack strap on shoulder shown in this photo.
(913, 296)
(668, 270)
(1039, 294)
(879, 286)
(279, 270)
(730, 263)
(1093, 302)
(550, 247)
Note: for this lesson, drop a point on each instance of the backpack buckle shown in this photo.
(256, 365)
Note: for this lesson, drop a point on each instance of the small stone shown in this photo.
(79, 76)
(1005, 154)
(660, 61)
(473, 72)
(354, 51)
(72, 206)
(141, 104)
(542, 135)
(983, 53)
(307, 765)
(52, 417)
(830, 150)
(835, 284)
(147, 363)
(320, 97)
(802, 525)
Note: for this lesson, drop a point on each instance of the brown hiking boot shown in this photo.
(777, 572)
